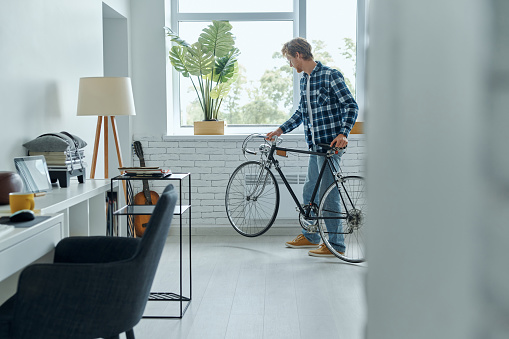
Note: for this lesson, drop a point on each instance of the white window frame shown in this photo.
(298, 16)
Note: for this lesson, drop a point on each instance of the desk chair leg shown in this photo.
(130, 334)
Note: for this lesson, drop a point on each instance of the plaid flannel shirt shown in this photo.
(334, 107)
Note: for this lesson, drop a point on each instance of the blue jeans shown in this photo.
(333, 225)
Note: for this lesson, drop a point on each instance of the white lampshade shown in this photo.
(105, 96)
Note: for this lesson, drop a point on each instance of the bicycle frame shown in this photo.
(271, 160)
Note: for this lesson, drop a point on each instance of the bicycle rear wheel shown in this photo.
(351, 213)
(252, 199)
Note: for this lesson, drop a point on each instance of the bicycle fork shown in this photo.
(260, 184)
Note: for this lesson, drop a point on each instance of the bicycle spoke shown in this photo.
(252, 199)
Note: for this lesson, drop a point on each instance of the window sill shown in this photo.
(239, 133)
(242, 136)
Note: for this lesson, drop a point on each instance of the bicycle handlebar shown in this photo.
(328, 148)
(245, 150)
(278, 140)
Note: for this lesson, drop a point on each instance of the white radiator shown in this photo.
(287, 208)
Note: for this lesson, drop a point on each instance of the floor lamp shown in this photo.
(105, 97)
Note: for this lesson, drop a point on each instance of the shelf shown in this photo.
(130, 210)
(173, 176)
(155, 296)
(147, 209)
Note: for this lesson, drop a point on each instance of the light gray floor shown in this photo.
(257, 288)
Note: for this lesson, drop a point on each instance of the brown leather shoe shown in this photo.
(322, 251)
(300, 242)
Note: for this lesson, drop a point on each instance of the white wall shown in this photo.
(45, 47)
(116, 56)
(149, 66)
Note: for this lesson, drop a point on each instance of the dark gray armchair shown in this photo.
(97, 287)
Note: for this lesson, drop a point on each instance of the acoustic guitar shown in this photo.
(145, 197)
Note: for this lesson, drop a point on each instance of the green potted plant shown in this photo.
(212, 62)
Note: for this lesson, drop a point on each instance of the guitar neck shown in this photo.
(146, 193)
(142, 161)
(146, 190)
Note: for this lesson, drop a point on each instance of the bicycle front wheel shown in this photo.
(252, 199)
(341, 218)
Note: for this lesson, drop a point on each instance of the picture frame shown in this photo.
(34, 173)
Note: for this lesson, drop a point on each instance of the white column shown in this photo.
(438, 233)
(493, 218)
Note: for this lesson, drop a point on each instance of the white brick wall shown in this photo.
(212, 159)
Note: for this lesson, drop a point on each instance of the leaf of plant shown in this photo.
(178, 60)
(217, 38)
(175, 38)
(235, 75)
(225, 66)
(220, 91)
(198, 60)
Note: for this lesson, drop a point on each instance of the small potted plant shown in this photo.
(212, 61)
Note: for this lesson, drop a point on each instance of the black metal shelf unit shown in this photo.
(130, 210)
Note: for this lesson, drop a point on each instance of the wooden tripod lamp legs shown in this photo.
(119, 152)
(96, 145)
(117, 142)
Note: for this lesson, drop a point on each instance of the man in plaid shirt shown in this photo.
(328, 112)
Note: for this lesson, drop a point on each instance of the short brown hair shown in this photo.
(297, 45)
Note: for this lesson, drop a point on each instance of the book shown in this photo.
(60, 155)
(67, 165)
(148, 175)
(145, 171)
(139, 168)
(62, 158)
(70, 167)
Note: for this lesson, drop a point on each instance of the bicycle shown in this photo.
(252, 198)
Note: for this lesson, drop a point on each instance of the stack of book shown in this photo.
(145, 171)
(63, 160)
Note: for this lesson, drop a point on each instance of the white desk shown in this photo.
(83, 206)
(22, 246)
(77, 210)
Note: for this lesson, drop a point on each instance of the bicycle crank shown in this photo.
(310, 225)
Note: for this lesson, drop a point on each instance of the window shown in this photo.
(234, 6)
(266, 92)
(335, 45)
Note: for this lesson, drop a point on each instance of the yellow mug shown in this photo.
(21, 201)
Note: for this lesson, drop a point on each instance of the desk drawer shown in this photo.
(23, 253)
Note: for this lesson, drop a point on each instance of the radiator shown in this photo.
(287, 208)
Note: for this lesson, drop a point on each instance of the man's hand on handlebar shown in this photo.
(270, 136)
(340, 141)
